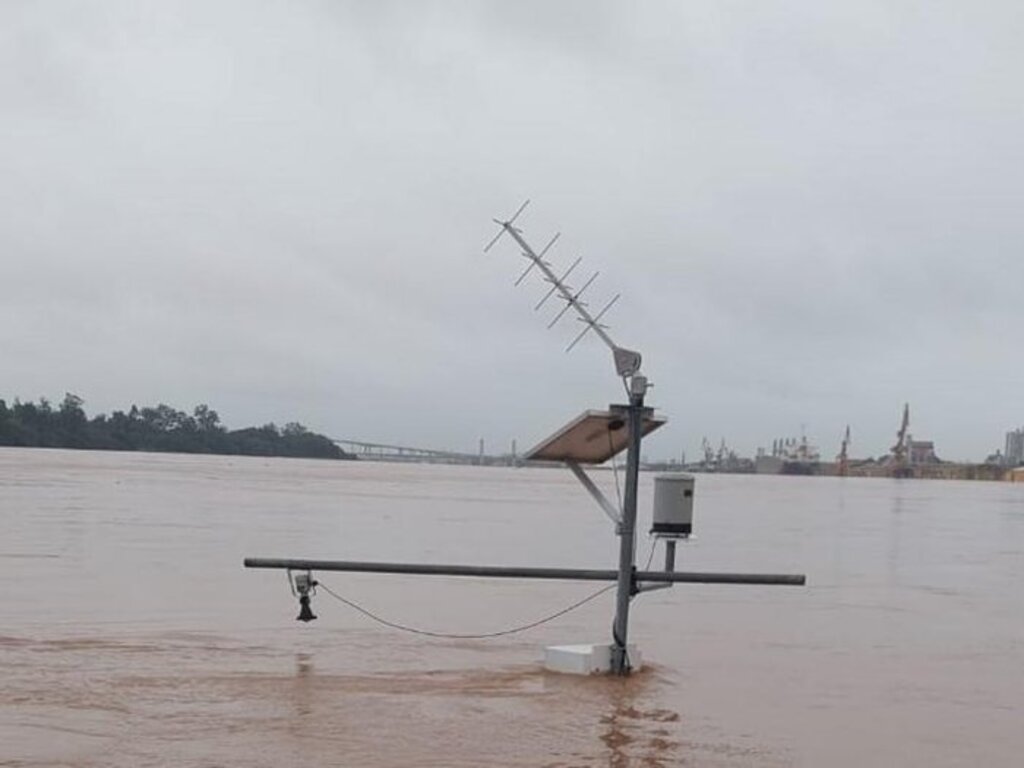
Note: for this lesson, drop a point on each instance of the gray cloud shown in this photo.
(811, 211)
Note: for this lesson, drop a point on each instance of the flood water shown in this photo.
(131, 635)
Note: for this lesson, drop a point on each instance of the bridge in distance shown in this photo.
(406, 453)
(412, 455)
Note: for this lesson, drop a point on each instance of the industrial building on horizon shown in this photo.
(1013, 456)
(908, 458)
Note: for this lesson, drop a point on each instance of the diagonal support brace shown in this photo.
(609, 509)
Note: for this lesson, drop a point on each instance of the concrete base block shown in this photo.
(586, 659)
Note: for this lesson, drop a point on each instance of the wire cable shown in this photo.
(650, 557)
(460, 636)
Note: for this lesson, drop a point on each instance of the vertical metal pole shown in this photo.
(670, 555)
(627, 530)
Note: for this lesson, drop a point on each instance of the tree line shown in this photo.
(158, 428)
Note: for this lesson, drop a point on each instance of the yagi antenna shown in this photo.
(627, 361)
(594, 324)
(539, 258)
(550, 293)
(505, 224)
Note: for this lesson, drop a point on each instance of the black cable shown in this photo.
(650, 557)
(458, 636)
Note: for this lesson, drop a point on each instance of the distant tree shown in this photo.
(72, 404)
(33, 422)
(206, 418)
(71, 413)
(6, 426)
(71, 423)
(163, 418)
(157, 428)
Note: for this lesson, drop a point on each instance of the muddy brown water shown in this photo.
(130, 634)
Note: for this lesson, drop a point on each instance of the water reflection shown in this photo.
(615, 722)
(635, 735)
(894, 551)
(303, 686)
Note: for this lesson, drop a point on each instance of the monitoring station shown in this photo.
(593, 438)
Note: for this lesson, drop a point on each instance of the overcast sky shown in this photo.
(813, 212)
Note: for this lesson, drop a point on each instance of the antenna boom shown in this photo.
(627, 362)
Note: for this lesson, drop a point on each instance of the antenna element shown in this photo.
(627, 361)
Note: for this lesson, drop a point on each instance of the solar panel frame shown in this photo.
(593, 437)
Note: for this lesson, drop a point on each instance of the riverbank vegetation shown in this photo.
(158, 428)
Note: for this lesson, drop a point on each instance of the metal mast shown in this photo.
(627, 366)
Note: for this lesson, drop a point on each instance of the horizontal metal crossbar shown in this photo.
(516, 572)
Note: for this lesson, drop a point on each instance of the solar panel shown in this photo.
(593, 437)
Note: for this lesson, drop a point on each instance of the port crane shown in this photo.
(843, 459)
(900, 450)
(709, 453)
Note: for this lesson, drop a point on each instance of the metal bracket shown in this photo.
(602, 501)
(670, 567)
